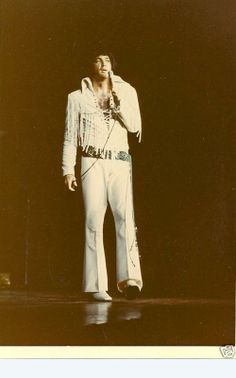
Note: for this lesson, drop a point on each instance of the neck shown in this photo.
(101, 84)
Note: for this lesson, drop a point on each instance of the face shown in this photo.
(101, 66)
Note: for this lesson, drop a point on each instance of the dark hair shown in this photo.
(101, 51)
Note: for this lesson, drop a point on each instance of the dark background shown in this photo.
(179, 56)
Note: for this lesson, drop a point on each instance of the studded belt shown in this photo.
(106, 154)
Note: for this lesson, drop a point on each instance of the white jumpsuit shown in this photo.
(104, 180)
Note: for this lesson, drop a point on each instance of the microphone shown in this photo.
(110, 75)
(113, 91)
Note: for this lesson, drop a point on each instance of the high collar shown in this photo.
(86, 82)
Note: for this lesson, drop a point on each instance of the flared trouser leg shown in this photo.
(120, 197)
(109, 181)
(95, 204)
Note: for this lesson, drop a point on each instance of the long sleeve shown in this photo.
(130, 113)
(70, 138)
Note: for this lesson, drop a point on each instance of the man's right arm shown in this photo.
(70, 144)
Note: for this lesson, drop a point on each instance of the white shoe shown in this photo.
(101, 296)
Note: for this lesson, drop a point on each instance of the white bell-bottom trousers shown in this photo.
(108, 181)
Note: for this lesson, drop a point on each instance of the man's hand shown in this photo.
(70, 182)
(114, 104)
(116, 98)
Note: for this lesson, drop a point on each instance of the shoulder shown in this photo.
(127, 91)
(75, 94)
(123, 85)
(75, 98)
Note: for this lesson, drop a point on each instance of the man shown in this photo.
(99, 117)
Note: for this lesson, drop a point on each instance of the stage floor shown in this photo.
(59, 319)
